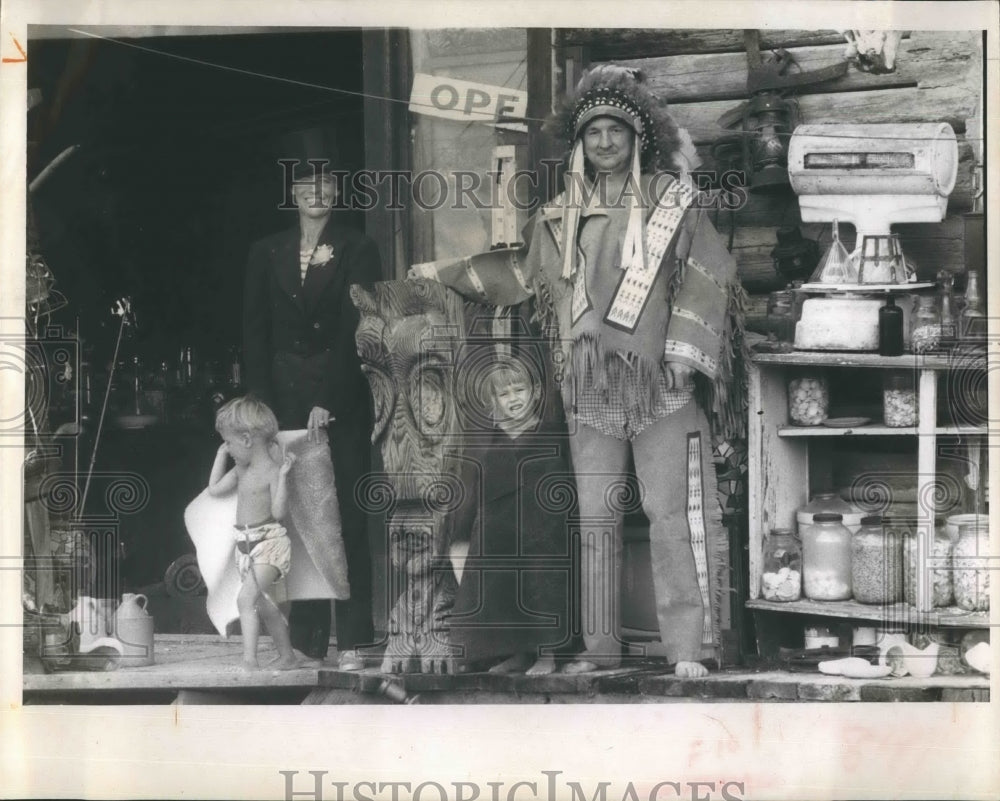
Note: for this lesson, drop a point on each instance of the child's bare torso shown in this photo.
(253, 492)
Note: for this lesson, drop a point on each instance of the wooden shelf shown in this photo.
(866, 431)
(779, 469)
(879, 431)
(965, 431)
(901, 614)
(911, 361)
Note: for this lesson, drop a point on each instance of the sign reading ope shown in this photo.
(452, 99)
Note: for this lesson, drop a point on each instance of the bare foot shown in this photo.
(579, 666)
(249, 665)
(542, 667)
(289, 662)
(275, 662)
(513, 664)
(690, 670)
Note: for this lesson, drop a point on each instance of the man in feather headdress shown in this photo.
(642, 303)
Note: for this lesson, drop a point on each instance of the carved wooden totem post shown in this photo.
(408, 337)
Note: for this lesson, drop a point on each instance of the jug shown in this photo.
(93, 634)
(134, 628)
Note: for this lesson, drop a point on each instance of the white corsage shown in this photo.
(321, 255)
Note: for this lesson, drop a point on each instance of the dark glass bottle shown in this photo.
(890, 329)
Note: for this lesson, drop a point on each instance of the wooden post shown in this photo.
(926, 480)
(387, 78)
(541, 93)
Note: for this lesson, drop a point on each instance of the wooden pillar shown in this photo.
(541, 93)
(388, 73)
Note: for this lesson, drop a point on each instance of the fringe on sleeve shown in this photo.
(725, 396)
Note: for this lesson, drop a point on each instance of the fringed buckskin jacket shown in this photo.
(685, 305)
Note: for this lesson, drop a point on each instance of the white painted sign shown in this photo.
(452, 99)
(505, 217)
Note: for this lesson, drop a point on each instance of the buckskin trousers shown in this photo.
(667, 456)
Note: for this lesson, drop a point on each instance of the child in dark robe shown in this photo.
(510, 541)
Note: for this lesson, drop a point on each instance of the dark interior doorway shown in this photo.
(176, 172)
(174, 177)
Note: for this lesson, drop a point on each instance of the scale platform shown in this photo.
(867, 288)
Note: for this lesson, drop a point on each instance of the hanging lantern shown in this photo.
(768, 122)
(727, 153)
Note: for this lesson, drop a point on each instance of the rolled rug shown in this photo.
(319, 565)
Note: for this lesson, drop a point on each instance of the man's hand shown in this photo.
(318, 418)
(681, 376)
(427, 271)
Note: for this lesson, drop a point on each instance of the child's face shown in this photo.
(514, 400)
(239, 445)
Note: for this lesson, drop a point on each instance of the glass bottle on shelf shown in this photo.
(876, 563)
(235, 370)
(826, 559)
(948, 320)
(899, 400)
(925, 325)
(137, 387)
(972, 325)
(890, 329)
(808, 399)
(781, 577)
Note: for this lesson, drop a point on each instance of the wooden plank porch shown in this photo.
(205, 668)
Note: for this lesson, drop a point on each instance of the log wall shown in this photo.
(701, 74)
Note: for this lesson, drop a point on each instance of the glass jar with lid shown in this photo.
(826, 558)
(970, 559)
(826, 501)
(781, 575)
(779, 315)
(808, 399)
(925, 325)
(876, 563)
(936, 564)
(899, 400)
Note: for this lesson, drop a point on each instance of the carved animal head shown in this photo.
(407, 338)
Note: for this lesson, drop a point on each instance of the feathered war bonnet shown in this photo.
(609, 90)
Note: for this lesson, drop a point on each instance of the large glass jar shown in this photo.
(936, 565)
(808, 400)
(826, 558)
(876, 563)
(954, 523)
(899, 400)
(925, 325)
(972, 569)
(829, 502)
(781, 577)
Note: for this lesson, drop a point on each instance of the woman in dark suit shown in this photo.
(301, 358)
